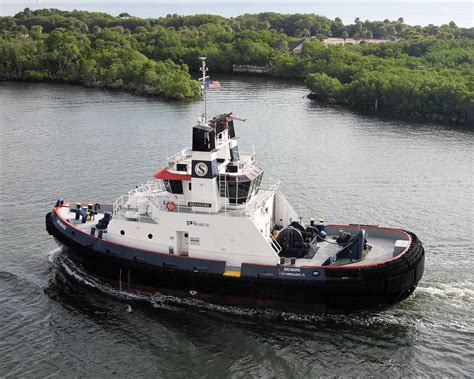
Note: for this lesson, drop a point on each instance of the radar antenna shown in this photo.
(203, 82)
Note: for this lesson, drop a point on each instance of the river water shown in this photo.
(84, 144)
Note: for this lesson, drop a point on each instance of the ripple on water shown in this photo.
(82, 144)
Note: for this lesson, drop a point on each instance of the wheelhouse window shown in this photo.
(255, 185)
(243, 191)
(238, 191)
(241, 188)
(174, 186)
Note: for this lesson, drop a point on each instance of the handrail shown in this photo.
(268, 237)
(148, 187)
(259, 201)
(263, 195)
(118, 204)
(250, 158)
(178, 157)
(156, 194)
(275, 244)
(149, 190)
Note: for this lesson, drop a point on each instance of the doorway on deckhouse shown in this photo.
(183, 243)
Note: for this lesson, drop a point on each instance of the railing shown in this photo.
(267, 189)
(156, 194)
(252, 69)
(179, 157)
(268, 237)
(246, 159)
(149, 190)
(119, 203)
(274, 243)
(263, 195)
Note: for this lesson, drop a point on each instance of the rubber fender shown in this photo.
(419, 271)
(400, 283)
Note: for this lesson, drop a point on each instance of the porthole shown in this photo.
(122, 232)
(186, 235)
(150, 236)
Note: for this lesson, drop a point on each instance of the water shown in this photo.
(84, 144)
(421, 12)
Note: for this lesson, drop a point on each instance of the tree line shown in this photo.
(424, 77)
(429, 70)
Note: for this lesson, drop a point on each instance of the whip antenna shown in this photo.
(203, 81)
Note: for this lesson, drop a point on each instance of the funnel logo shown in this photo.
(195, 223)
(204, 169)
(201, 169)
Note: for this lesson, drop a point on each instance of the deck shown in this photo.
(385, 243)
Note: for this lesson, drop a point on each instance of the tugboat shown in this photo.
(211, 227)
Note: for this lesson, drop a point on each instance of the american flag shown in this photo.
(213, 84)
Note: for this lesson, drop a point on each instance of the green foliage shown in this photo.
(107, 58)
(429, 76)
(429, 70)
(323, 86)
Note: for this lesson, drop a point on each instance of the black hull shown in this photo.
(342, 290)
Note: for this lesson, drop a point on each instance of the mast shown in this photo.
(203, 81)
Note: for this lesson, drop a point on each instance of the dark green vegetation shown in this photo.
(425, 77)
(429, 71)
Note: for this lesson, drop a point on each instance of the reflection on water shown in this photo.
(82, 144)
(295, 339)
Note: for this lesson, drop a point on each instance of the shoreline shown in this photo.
(98, 87)
(368, 110)
(364, 110)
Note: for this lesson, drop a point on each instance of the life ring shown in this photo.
(170, 206)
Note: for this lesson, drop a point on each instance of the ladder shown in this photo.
(222, 186)
(223, 190)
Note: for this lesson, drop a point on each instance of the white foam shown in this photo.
(52, 255)
(406, 314)
(167, 302)
(453, 291)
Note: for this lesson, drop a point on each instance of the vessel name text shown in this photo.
(195, 223)
(195, 204)
(61, 224)
(291, 271)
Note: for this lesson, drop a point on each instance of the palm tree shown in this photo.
(399, 27)
(27, 12)
(344, 36)
(357, 37)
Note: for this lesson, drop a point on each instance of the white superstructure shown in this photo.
(210, 201)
